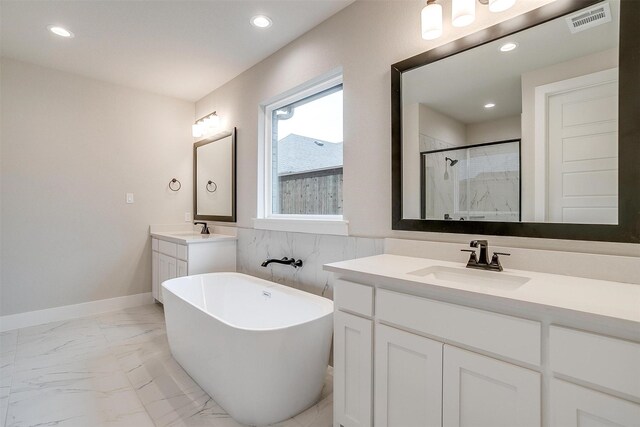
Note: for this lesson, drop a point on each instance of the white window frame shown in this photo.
(267, 220)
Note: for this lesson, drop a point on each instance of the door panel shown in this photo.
(479, 391)
(408, 379)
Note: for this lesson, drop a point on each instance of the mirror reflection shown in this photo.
(527, 132)
(214, 185)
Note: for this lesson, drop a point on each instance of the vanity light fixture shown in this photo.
(261, 21)
(431, 20)
(508, 47)
(489, 105)
(463, 13)
(498, 5)
(60, 31)
(206, 125)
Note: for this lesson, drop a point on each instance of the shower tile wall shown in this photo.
(440, 191)
(486, 186)
(315, 250)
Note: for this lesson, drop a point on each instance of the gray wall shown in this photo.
(71, 147)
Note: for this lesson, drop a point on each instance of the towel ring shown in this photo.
(171, 186)
(215, 186)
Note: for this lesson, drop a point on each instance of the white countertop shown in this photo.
(189, 237)
(613, 300)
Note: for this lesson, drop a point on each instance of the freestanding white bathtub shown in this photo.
(259, 349)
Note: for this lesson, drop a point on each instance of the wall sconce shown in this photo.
(463, 13)
(207, 125)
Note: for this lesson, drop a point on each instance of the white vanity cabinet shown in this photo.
(423, 382)
(173, 257)
(448, 351)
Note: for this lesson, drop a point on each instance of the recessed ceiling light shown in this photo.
(60, 31)
(261, 21)
(508, 47)
(489, 105)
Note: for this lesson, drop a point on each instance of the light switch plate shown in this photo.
(129, 198)
(187, 217)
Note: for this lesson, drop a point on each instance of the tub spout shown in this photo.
(287, 261)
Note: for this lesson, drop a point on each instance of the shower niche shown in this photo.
(479, 182)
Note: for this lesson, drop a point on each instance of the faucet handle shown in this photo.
(495, 260)
(472, 255)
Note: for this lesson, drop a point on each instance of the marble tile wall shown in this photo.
(315, 250)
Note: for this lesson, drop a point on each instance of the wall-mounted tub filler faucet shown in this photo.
(287, 261)
(205, 227)
(482, 262)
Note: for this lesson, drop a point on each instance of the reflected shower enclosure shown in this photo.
(478, 182)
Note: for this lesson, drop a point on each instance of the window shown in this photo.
(303, 144)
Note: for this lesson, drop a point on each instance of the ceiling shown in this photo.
(484, 74)
(179, 48)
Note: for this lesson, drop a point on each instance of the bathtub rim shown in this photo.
(323, 300)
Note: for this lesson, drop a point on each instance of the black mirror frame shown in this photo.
(628, 227)
(220, 218)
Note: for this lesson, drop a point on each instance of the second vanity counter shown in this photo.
(178, 251)
(612, 303)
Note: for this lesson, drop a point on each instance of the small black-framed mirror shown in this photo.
(614, 188)
(214, 178)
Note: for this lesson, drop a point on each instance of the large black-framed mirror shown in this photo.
(460, 180)
(214, 178)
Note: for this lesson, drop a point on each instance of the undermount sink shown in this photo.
(464, 276)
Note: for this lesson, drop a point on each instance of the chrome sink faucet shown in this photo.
(482, 261)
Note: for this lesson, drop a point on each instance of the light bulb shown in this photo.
(508, 47)
(261, 21)
(60, 31)
(196, 130)
(431, 21)
(463, 12)
(500, 5)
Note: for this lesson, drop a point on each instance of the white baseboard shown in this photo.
(68, 312)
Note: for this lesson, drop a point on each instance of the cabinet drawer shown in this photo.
(181, 252)
(598, 359)
(353, 297)
(511, 337)
(154, 244)
(575, 406)
(167, 248)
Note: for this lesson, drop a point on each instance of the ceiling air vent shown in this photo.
(589, 18)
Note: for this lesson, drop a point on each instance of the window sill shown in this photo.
(337, 227)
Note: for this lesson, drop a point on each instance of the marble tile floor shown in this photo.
(112, 369)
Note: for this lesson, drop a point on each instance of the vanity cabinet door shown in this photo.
(154, 275)
(352, 355)
(576, 406)
(166, 271)
(408, 379)
(479, 391)
(181, 268)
